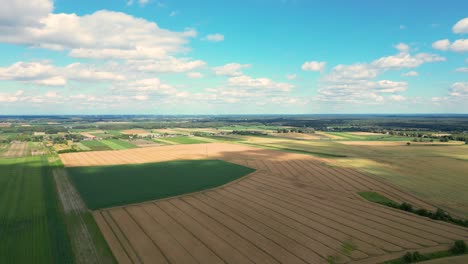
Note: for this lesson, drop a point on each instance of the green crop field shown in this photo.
(32, 229)
(95, 145)
(118, 144)
(107, 186)
(184, 140)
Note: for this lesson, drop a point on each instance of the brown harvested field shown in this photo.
(293, 209)
(300, 136)
(17, 149)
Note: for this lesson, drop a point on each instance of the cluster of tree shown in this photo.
(459, 247)
(249, 132)
(305, 130)
(439, 214)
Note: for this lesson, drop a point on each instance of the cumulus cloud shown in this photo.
(230, 69)
(169, 64)
(410, 74)
(358, 83)
(459, 45)
(44, 73)
(103, 35)
(262, 83)
(20, 13)
(11, 97)
(459, 89)
(313, 66)
(405, 60)
(443, 44)
(461, 27)
(215, 37)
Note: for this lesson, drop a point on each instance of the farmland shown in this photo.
(31, 222)
(118, 144)
(293, 209)
(184, 140)
(420, 168)
(95, 145)
(108, 186)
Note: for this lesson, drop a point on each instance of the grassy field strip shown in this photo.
(118, 144)
(185, 140)
(88, 244)
(95, 145)
(163, 141)
(31, 224)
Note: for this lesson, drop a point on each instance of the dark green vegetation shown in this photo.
(95, 145)
(32, 228)
(439, 214)
(376, 198)
(107, 186)
(184, 140)
(458, 248)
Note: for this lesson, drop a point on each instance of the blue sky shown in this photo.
(233, 57)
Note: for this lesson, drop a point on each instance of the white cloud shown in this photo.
(461, 27)
(230, 69)
(11, 97)
(351, 72)
(194, 75)
(313, 66)
(462, 69)
(443, 44)
(291, 76)
(459, 45)
(410, 74)
(263, 83)
(173, 13)
(402, 27)
(405, 60)
(103, 34)
(169, 64)
(44, 73)
(459, 89)
(22, 13)
(215, 37)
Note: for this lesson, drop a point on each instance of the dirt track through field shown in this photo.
(293, 209)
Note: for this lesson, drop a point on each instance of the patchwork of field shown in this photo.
(293, 209)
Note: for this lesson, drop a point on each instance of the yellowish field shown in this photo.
(293, 209)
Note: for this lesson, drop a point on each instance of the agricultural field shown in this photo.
(118, 144)
(184, 140)
(292, 209)
(16, 149)
(32, 229)
(108, 186)
(420, 168)
(95, 145)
